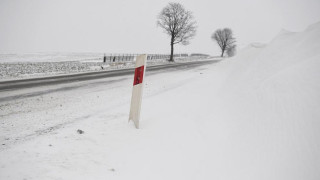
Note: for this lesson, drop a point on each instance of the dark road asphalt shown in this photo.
(29, 83)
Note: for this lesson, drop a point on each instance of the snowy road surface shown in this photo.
(51, 80)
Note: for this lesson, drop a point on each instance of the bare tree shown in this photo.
(178, 23)
(224, 38)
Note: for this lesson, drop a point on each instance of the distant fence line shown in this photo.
(131, 57)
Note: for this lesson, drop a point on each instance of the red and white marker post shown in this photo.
(137, 89)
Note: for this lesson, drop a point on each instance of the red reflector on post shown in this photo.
(138, 75)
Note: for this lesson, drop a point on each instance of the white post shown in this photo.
(136, 98)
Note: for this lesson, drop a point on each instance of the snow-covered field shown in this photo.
(254, 116)
(50, 57)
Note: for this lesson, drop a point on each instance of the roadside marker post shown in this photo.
(137, 89)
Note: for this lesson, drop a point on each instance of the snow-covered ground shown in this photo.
(254, 116)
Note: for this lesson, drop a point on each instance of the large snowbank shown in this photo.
(254, 116)
(266, 112)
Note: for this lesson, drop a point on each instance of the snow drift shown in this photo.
(270, 103)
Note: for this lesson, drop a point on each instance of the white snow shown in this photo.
(254, 116)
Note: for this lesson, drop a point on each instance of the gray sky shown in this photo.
(129, 26)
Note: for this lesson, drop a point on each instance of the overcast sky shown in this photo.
(129, 26)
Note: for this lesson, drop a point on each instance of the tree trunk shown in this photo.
(223, 49)
(171, 54)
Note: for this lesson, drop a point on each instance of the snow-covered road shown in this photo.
(53, 80)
